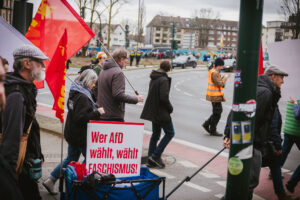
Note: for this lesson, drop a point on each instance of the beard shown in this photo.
(38, 75)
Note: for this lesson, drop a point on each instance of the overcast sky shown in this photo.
(227, 9)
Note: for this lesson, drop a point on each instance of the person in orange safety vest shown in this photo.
(215, 95)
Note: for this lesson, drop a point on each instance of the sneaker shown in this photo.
(158, 161)
(150, 163)
(216, 133)
(206, 127)
(290, 188)
(49, 185)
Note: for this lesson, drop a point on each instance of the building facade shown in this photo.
(117, 35)
(6, 10)
(274, 32)
(192, 33)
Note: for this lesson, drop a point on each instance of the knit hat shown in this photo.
(101, 55)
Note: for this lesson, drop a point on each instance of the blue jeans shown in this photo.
(154, 149)
(295, 177)
(288, 143)
(73, 155)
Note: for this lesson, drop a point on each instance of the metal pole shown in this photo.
(106, 51)
(188, 178)
(243, 118)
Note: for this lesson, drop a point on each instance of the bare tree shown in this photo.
(141, 21)
(205, 20)
(291, 11)
(113, 9)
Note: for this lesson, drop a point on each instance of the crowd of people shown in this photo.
(98, 93)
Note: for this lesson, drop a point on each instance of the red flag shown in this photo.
(261, 60)
(56, 77)
(49, 23)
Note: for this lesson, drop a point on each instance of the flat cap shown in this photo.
(29, 51)
(275, 70)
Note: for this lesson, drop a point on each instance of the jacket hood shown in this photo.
(14, 78)
(264, 81)
(110, 64)
(155, 74)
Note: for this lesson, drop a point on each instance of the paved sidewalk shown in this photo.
(182, 159)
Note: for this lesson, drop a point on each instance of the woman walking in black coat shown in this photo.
(157, 109)
(82, 109)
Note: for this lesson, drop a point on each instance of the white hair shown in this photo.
(87, 77)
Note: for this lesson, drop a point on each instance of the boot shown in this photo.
(215, 133)
(289, 187)
(205, 125)
(49, 185)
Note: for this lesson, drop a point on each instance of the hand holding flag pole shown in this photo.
(107, 52)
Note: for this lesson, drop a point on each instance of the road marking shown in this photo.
(187, 164)
(197, 187)
(160, 173)
(193, 145)
(209, 175)
(188, 94)
(219, 195)
(222, 183)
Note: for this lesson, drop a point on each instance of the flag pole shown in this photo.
(61, 176)
(106, 51)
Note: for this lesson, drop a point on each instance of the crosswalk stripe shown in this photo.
(187, 164)
(197, 187)
(219, 195)
(160, 173)
(209, 175)
(222, 183)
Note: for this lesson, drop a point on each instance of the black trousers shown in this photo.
(131, 58)
(29, 188)
(214, 119)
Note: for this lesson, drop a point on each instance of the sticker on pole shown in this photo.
(114, 147)
(235, 166)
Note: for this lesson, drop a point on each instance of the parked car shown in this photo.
(185, 61)
(229, 65)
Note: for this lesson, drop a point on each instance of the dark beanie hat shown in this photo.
(219, 62)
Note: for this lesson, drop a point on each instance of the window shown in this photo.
(115, 39)
(165, 35)
(233, 39)
(211, 32)
(157, 40)
(158, 28)
(233, 45)
(234, 33)
(166, 29)
(157, 34)
(210, 44)
(164, 41)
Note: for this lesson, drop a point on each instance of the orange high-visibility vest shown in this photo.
(212, 89)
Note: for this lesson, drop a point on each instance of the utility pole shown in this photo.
(243, 116)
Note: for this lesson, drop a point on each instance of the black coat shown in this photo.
(18, 114)
(267, 98)
(80, 113)
(158, 106)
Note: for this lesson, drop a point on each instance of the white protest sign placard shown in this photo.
(114, 147)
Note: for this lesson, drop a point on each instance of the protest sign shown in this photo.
(114, 147)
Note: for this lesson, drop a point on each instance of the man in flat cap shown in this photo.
(267, 130)
(18, 117)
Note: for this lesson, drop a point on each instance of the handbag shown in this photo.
(22, 149)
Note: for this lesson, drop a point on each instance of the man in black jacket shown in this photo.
(157, 109)
(268, 95)
(19, 113)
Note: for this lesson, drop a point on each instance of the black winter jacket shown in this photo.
(267, 98)
(158, 106)
(80, 113)
(275, 129)
(18, 114)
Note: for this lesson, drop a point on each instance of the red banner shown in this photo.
(261, 60)
(56, 77)
(49, 24)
